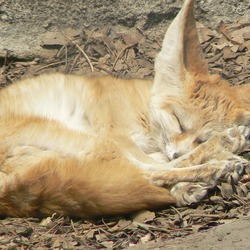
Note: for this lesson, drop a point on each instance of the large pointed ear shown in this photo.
(181, 53)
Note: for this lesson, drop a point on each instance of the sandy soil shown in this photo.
(230, 236)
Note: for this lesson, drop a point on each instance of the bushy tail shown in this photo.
(66, 186)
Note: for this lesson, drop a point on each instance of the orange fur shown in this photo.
(70, 187)
(242, 93)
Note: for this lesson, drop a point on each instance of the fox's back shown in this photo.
(89, 104)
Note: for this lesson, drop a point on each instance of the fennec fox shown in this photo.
(89, 147)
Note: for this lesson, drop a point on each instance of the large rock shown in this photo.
(24, 23)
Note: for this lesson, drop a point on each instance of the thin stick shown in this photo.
(121, 52)
(82, 51)
(74, 62)
(5, 62)
(239, 27)
(66, 58)
(216, 216)
(179, 214)
(149, 37)
(73, 226)
(240, 200)
(48, 65)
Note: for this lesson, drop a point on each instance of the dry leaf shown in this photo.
(143, 225)
(101, 237)
(228, 54)
(146, 238)
(143, 216)
(56, 243)
(220, 46)
(91, 233)
(47, 222)
(226, 189)
(216, 199)
(124, 223)
(108, 244)
(24, 231)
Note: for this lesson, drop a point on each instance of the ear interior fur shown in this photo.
(181, 53)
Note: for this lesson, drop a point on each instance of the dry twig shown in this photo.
(83, 52)
(121, 52)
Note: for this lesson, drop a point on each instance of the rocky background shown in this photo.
(24, 23)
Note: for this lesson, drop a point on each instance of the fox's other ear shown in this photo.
(181, 52)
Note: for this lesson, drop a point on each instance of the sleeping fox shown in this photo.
(99, 146)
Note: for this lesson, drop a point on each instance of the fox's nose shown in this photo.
(175, 155)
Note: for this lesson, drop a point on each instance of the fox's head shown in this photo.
(188, 104)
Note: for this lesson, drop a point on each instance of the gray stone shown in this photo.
(24, 23)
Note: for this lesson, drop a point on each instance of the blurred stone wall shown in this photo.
(23, 23)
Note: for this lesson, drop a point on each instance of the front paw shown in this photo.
(233, 170)
(238, 138)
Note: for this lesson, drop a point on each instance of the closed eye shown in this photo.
(202, 138)
(182, 129)
(198, 141)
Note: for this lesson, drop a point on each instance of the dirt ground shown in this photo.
(220, 221)
(230, 236)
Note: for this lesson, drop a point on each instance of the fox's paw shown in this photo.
(224, 171)
(236, 139)
(187, 193)
(209, 175)
(229, 171)
(233, 170)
